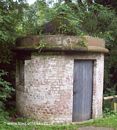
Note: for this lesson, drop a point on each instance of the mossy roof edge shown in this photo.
(61, 43)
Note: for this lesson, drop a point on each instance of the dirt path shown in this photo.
(95, 128)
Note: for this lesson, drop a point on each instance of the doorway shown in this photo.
(82, 90)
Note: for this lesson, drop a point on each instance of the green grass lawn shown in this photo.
(110, 121)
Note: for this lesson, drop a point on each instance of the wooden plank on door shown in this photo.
(82, 91)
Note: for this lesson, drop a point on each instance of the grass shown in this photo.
(110, 121)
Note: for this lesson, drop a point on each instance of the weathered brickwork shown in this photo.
(47, 91)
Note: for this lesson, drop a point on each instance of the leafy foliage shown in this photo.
(5, 91)
(102, 23)
(65, 21)
(10, 15)
(34, 16)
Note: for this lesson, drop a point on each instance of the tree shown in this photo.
(11, 12)
(10, 15)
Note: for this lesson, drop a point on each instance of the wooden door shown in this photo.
(82, 91)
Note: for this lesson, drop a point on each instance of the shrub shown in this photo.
(5, 93)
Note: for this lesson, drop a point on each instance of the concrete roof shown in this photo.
(61, 43)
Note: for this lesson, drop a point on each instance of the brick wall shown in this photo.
(47, 91)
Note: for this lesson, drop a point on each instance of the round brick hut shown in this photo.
(60, 78)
